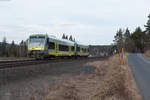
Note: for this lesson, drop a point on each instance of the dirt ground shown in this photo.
(77, 80)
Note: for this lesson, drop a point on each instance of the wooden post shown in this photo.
(122, 57)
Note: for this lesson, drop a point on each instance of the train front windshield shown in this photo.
(36, 42)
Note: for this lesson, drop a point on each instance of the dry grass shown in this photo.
(109, 82)
(118, 83)
(147, 54)
(13, 58)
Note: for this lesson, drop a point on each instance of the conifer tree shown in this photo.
(70, 38)
(4, 47)
(147, 31)
(147, 26)
(12, 50)
(119, 40)
(63, 37)
(74, 40)
(138, 38)
(66, 37)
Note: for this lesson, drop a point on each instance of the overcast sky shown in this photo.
(90, 21)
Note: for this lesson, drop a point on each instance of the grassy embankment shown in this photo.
(147, 54)
(110, 81)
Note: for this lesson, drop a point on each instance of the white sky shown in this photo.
(89, 21)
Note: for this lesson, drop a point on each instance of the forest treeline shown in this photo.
(13, 50)
(136, 41)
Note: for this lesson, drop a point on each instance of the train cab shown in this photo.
(36, 45)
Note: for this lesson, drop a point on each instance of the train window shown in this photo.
(72, 48)
(87, 50)
(78, 48)
(63, 48)
(36, 42)
(47, 40)
(51, 45)
(82, 49)
(37, 36)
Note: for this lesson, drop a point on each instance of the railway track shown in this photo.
(12, 64)
(21, 63)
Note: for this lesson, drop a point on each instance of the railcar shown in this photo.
(43, 46)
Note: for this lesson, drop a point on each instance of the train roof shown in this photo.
(81, 44)
(62, 41)
(38, 35)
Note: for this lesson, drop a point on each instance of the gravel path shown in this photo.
(141, 70)
(17, 83)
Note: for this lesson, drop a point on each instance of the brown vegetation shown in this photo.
(109, 82)
(147, 54)
(13, 58)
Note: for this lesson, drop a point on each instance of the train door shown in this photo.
(46, 44)
(75, 47)
(80, 50)
(70, 50)
(56, 48)
(46, 47)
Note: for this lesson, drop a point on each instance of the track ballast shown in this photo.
(23, 63)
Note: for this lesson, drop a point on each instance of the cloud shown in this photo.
(90, 21)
